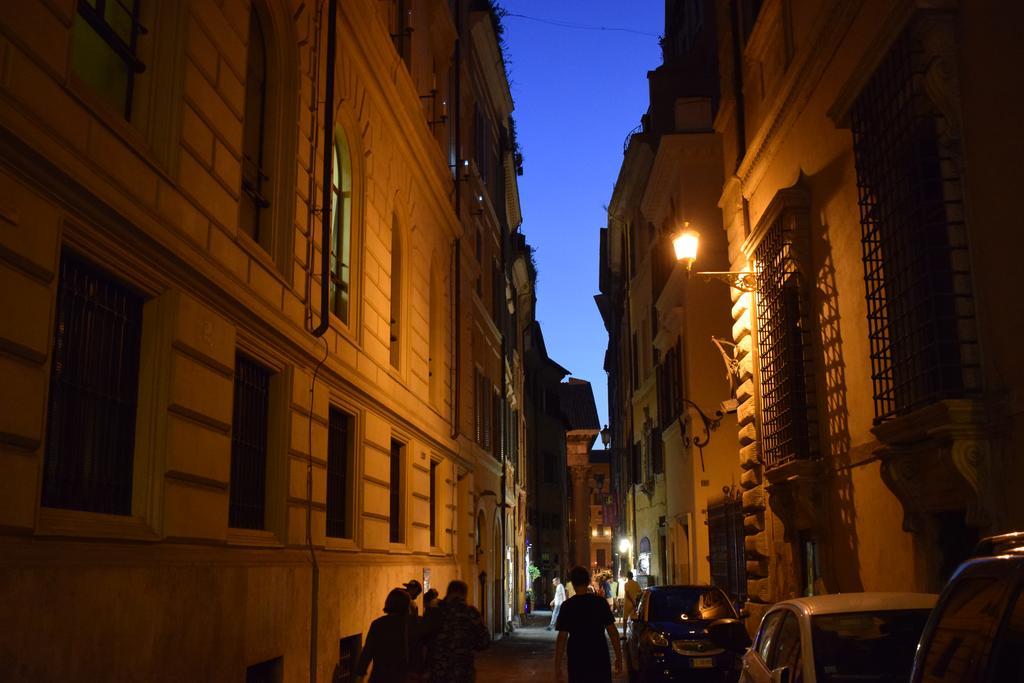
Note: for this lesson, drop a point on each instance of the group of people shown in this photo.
(436, 647)
(601, 585)
(582, 620)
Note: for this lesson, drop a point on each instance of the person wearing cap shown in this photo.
(413, 588)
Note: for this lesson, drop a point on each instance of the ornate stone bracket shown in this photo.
(797, 496)
(945, 457)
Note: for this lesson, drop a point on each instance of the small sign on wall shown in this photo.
(426, 579)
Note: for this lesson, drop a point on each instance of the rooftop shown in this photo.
(576, 398)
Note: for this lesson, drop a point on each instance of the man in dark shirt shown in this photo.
(583, 621)
(454, 630)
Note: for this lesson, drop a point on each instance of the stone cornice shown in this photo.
(798, 86)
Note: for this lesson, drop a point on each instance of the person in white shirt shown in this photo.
(556, 604)
(632, 591)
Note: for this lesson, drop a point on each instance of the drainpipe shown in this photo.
(456, 117)
(325, 316)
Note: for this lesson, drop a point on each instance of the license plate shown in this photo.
(702, 662)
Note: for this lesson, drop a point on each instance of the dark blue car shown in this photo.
(667, 639)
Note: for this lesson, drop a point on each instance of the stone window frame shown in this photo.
(145, 520)
(356, 415)
(405, 537)
(344, 124)
(791, 206)
(274, 531)
(154, 131)
(275, 244)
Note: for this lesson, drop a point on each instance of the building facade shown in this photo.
(878, 399)
(254, 259)
(547, 508)
(874, 390)
(666, 325)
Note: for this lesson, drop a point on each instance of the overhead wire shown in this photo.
(582, 27)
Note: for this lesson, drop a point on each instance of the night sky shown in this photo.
(578, 92)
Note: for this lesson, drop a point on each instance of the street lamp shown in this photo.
(685, 244)
(606, 436)
(624, 545)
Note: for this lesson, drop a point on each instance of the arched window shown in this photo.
(396, 292)
(341, 230)
(256, 189)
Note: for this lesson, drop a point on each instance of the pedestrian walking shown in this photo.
(454, 630)
(556, 602)
(631, 593)
(430, 599)
(413, 588)
(582, 623)
(392, 643)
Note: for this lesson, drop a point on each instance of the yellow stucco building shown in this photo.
(205, 472)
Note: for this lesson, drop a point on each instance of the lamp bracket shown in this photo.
(710, 425)
(744, 281)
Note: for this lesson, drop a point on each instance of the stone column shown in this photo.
(580, 475)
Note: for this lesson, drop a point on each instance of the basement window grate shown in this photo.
(923, 343)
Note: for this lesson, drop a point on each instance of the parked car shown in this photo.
(668, 641)
(832, 638)
(976, 632)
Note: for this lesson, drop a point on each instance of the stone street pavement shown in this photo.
(527, 655)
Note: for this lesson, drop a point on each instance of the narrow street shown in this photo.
(528, 654)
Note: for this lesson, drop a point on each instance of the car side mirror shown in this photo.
(729, 634)
(781, 675)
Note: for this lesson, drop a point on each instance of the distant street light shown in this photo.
(685, 244)
(624, 546)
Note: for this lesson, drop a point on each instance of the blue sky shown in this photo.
(577, 93)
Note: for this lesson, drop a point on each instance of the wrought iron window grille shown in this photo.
(921, 326)
(247, 491)
(90, 424)
(98, 16)
(788, 422)
(338, 469)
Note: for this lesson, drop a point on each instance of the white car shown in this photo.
(838, 638)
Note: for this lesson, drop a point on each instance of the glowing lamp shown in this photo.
(624, 546)
(685, 244)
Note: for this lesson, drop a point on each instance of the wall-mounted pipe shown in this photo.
(325, 201)
(325, 315)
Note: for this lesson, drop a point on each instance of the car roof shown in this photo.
(1009, 562)
(1012, 542)
(839, 603)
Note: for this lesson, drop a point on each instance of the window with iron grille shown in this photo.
(94, 384)
(248, 488)
(786, 402)
(920, 309)
(104, 50)
(395, 508)
(255, 197)
(339, 466)
(726, 551)
(348, 658)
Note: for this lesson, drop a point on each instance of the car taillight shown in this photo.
(656, 638)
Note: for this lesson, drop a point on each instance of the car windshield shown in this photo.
(866, 646)
(682, 604)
